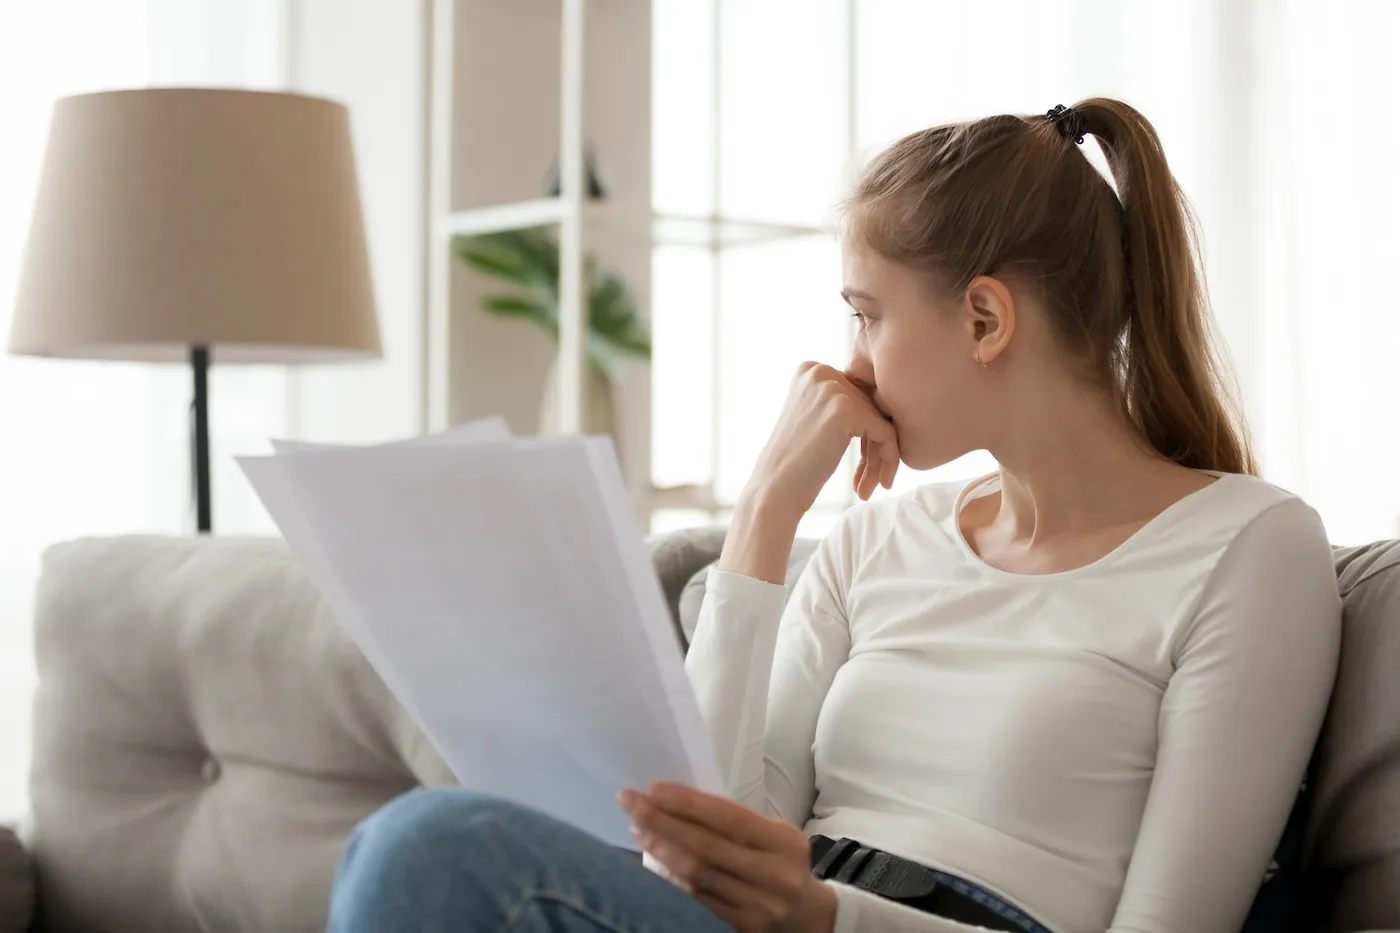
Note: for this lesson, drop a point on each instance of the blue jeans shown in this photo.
(451, 860)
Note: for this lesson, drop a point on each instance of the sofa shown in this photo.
(206, 737)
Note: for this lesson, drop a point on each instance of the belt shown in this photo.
(916, 886)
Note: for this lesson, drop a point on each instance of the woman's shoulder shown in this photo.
(1235, 502)
(1272, 577)
(1248, 520)
(1270, 519)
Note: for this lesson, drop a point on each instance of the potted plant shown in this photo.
(529, 260)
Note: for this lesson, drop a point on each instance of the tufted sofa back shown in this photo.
(205, 739)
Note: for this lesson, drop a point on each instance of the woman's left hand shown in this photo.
(752, 870)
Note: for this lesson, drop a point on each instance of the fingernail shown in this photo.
(636, 832)
(626, 798)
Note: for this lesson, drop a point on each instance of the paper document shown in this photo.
(503, 592)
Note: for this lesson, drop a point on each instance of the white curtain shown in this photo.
(1275, 115)
(1277, 118)
(98, 448)
(1313, 312)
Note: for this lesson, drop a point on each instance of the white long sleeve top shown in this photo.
(1112, 748)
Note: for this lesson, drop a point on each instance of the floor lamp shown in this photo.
(197, 226)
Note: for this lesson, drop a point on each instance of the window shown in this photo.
(1273, 119)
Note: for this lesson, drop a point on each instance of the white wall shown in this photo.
(370, 54)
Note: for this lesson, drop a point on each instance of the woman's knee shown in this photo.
(425, 825)
(430, 854)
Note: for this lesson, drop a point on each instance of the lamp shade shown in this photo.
(173, 218)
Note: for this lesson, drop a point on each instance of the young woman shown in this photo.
(1076, 695)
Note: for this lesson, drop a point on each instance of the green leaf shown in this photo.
(530, 259)
(509, 306)
(613, 317)
(539, 253)
(524, 257)
(610, 308)
(638, 345)
(490, 258)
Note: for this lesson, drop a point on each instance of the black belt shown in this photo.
(898, 879)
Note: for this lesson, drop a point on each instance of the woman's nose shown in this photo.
(860, 369)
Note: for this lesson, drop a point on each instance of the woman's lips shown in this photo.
(871, 393)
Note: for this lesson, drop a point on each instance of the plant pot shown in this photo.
(600, 408)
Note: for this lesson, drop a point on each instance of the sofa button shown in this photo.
(210, 771)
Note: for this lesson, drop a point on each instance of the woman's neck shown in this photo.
(1080, 468)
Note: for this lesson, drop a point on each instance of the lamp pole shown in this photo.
(199, 440)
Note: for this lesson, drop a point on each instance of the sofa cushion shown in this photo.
(206, 738)
(678, 555)
(1355, 827)
(694, 593)
(16, 884)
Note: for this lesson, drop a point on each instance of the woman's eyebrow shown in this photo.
(849, 293)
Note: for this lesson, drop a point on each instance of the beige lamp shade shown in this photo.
(174, 218)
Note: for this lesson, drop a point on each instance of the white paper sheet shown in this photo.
(502, 590)
(484, 429)
(272, 487)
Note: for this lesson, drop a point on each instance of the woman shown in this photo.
(1075, 695)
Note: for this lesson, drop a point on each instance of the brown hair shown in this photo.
(1118, 275)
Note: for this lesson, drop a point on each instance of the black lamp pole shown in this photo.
(199, 440)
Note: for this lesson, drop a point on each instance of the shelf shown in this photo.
(522, 215)
(711, 231)
(719, 232)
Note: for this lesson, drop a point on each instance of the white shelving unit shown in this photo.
(485, 135)
(564, 212)
(514, 85)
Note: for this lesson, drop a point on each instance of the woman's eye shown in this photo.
(860, 318)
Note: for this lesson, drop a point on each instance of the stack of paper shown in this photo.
(502, 590)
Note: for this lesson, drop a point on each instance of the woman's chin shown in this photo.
(920, 458)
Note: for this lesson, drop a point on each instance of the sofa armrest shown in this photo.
(16, 884)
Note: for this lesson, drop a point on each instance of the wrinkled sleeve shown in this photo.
(1238, 722)
(761, 671)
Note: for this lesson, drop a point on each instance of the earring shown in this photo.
(977, 357)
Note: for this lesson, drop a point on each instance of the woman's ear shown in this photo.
(991, 317)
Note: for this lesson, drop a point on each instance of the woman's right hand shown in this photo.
(825, 410)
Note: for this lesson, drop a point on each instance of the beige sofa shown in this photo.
(206, 738)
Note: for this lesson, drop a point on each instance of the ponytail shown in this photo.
(1172, 379)
(1118, 275)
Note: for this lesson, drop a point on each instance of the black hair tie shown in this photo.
(1068, 121)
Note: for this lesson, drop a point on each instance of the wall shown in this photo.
(370, 54)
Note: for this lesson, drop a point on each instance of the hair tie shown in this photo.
(1068, 121)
